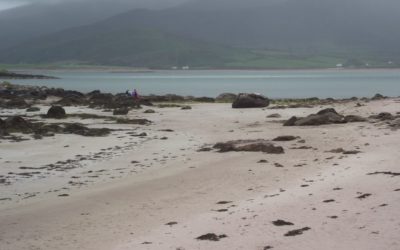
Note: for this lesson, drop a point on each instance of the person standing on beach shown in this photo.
(135, 96)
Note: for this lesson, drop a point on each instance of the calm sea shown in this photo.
(274, 84)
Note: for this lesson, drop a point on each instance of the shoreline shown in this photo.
(128, 70)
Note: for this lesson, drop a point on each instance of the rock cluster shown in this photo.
(244, 100)
(17, 124)
(250, 146)
(323, 117)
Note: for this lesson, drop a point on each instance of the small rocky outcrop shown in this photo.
(354, 118)
(384, 116)
(16, 124)
(149, 111)
(97, 99)
(16, 103)
(378, 97)
(79, 129)
(323, 117)
(250, 146)
(250, 101)
(56, 112)
(204, 99)
(226, 97)
(165, 98)
(72, 100)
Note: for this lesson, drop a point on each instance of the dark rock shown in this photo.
(354, 118)
(18, 103)
(351, 152)
(149, 111)
(98, 99)
(16, 124)
(385, 173)
(165, 98)
(133, 121)
(211, 237)
(384, 116)
(124, 101)
(286, 138)
(395, 124)
(297, 231)
(72, 100)
(326, 116)
(78, 129)
(186, 108)
(33, 109)
(378, 97)
(56, 112)
(121, 111)
(250, 146)
(280, 223)
(291, 121)
(250, 101)
(328, 110)
(226, 97)
(204, 99)
(274, 116)
(363, 196)
(315, 120)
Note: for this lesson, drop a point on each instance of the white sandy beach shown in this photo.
(119, 192)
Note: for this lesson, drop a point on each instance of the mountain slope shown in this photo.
(271, 34)
(305, 25)
(34, 20)
(127, 46)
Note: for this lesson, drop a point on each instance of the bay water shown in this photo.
(335, 83)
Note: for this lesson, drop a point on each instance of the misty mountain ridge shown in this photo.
(354, 30)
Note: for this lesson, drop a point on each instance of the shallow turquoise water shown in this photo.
(275, 84)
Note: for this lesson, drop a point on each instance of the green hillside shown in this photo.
(150, 48)
(129, 47)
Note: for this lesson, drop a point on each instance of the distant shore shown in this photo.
(6, 75)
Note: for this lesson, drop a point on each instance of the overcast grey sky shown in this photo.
(7, 4)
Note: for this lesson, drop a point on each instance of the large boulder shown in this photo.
(56, 112)
(250, 146)
(250, 101)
